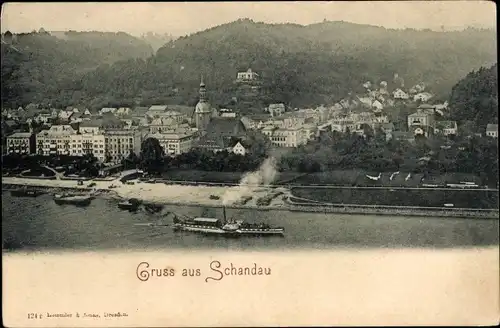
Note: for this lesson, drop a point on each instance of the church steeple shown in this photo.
(203, 91)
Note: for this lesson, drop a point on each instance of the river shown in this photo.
(40, 224)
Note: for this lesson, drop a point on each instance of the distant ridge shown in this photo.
(299, 65)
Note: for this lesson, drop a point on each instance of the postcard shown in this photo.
(250, 164)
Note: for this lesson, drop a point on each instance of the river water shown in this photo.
(40, 224)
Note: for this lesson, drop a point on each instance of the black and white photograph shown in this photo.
(168, 163)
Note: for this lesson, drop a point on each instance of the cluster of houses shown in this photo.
(111, 134)
(378, 97)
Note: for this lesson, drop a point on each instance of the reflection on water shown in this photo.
(39, 223)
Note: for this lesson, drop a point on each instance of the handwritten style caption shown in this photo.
(216, 271)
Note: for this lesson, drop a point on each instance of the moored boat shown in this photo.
(130, 205)
(25, 192)
(226, 227)
(78, 200)
(153, 208)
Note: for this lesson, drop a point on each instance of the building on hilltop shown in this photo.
(249, 75)
(492, 130)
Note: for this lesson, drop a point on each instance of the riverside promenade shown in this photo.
(210, 196)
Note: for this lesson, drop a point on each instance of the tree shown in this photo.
(152, 155)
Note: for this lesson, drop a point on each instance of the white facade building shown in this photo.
(249, 75)
(55, 141)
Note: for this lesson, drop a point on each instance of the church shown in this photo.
(216, 132)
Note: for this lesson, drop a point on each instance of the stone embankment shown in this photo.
(276, 198)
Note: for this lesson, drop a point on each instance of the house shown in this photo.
(163, 123)
(178, 112)
(21, 143)
(365, 101)
(446, 127)
(43, 117)
(286, 137)
(56, 140)
(249, 75)
(65, 115)
(377, 105)
(122, 111)
(492, 130)
(427, 108)
(186, 111)
(421, 119)
(400, 94)
(249, 123)
(224, 112)
(422, 96)
(276, 109)
(239, 148)
(417, 88)
(107, 110)
(214, 143)
(175, 142)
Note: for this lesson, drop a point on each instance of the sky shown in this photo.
(181, 18)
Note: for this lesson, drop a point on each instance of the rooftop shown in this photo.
(20, 135)
(158, 108)
(170, 135)
(492, 127)
(226, 126)
(446, 124)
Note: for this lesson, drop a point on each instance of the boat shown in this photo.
(225, 227)
(132, 204)
(153, 208)
(78, 200)
(25, 192)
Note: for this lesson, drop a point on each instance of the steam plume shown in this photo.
(264, 176)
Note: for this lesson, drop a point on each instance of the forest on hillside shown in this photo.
(474, 99)
(299, 65)
(42, 68)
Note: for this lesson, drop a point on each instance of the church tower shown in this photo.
(203, 112)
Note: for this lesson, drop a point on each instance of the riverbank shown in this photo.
(168, 194)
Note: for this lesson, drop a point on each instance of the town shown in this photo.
(113, 135)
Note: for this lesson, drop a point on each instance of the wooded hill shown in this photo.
(299, 65)
(41, 67)
(474, 99)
